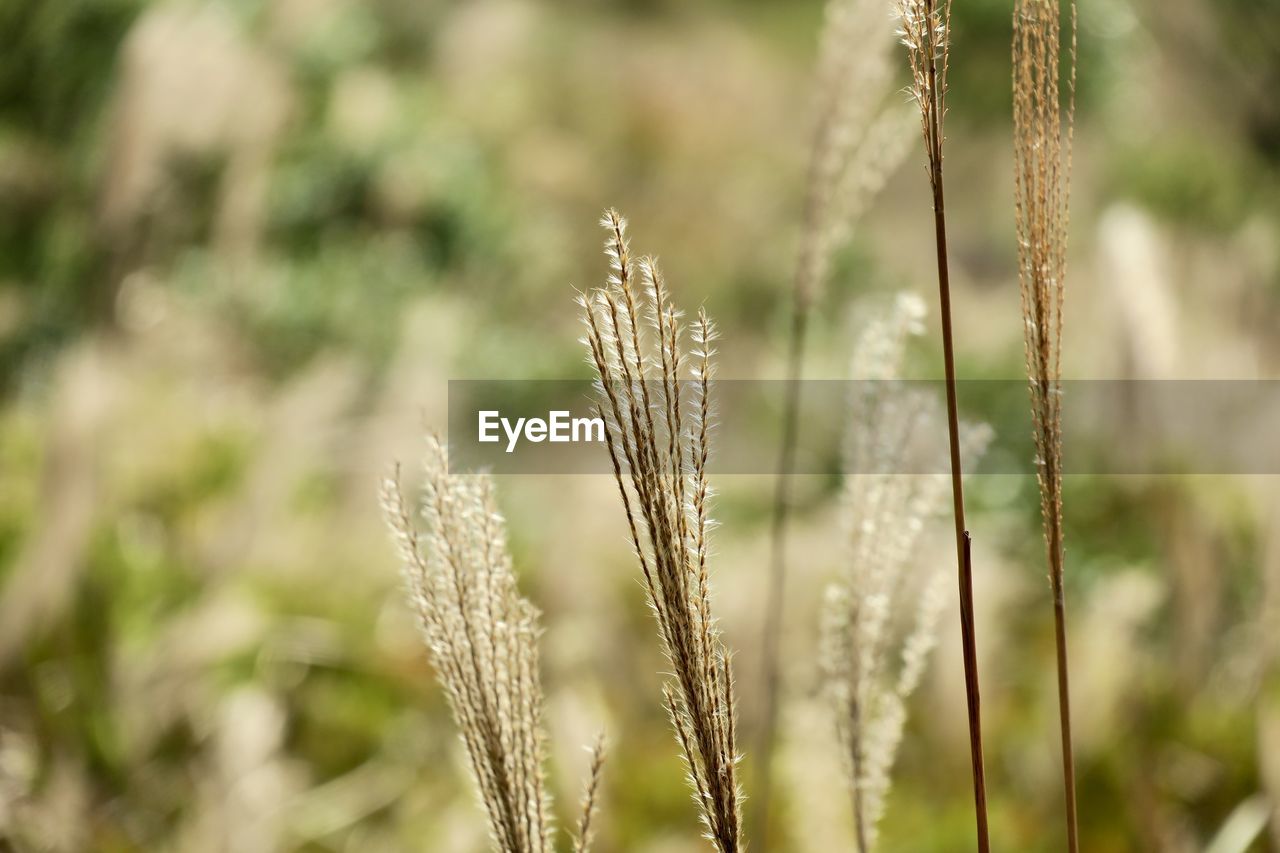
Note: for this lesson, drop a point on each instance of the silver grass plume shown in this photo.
(659, 445)
(590, 795)
(1042, 137)
(879, 619)
(859, 138)
(482, 637)
(859, 135)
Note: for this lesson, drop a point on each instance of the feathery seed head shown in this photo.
(482, 638)
(925, 30)
(858, 137)
(869, 611)
(658, 436)
(1042, 182)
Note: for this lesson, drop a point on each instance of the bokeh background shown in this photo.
(244, 244)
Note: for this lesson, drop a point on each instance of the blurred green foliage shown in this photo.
(1190, 181)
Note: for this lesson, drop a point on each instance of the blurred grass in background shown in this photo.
(244, 244)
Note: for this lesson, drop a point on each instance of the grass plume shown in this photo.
(582, 840)
(659, 446)
(879, 619)
(857, 142)
(482, 636)
(925, 29)
(1042, 173)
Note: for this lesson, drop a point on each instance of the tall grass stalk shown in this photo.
(926, 32)
(857, 142)
(659, 445)
(1042, 172)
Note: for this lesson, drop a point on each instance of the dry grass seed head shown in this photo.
(1042, 179)
(925, 30)
(879, 618)
(858, 137)
(1042, 176)
(482, 637)
(590, 794)
(659, 444)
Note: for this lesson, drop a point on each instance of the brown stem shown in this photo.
(934, 137)
(971, 690)
(948, 355)
(1064, 713)
(1056, 569)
